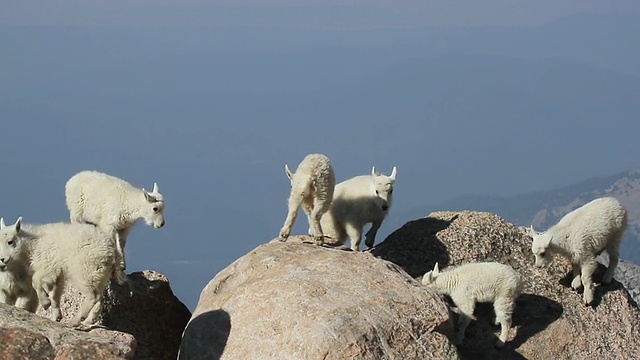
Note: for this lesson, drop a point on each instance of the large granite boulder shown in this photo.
(550, 320)
(294, 300)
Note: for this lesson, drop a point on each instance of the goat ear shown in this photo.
(427, 278)
(288, 172)
(436, 269)
(18, 223)
(2, 225)
(155, 188)
(147, 196)
(393, 174)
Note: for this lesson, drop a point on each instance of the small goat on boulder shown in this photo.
(112, 204)
(356, 202)
(312, 188)
(581, 236)
(479, 282)
(80, 254)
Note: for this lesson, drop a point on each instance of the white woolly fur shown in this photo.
(581, 236)
(312, 187)
(356, 202)
(15, 273)
(113, 204)
(471, 283)
(80, 254)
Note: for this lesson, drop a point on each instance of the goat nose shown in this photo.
(162, 224)
(385, 207)
(3, 260)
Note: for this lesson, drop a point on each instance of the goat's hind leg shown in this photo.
(314, 213)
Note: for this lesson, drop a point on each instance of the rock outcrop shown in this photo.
(142, 320)
(550, 320)
(628, 274)
(290, 300)
(24, 335)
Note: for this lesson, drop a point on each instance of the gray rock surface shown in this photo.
(628, 274)
(141, 320)
(550, 320)
(289, 300)
(24, 335)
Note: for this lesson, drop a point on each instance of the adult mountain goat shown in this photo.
(312, 187)
(112, 204)
(581, 236)
(356, 202)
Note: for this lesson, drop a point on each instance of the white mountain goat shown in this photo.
(80, 254)
(312, 187)
(581, 236)
(356, 202)
(15, 273)
(112, 204)
(471, 283)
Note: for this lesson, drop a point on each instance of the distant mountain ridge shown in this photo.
(544, 208)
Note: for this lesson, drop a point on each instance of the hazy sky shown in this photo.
(325, 14)
(211, 99)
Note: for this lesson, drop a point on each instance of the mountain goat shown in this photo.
(356, 202)
(112, 204)
(479, 282)
(312, 187)
(80, 254)
(15, 273)
(581, 236)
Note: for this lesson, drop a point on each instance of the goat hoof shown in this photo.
(576, 284)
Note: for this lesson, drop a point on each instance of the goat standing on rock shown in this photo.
(581, 236)
(112, 204)
(312, 187)
(15, 274)
(479, 282)
(57, 253)
(356, 202)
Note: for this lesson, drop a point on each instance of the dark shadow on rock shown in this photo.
(532, 315)
(601, 289)
(415, 246)
(148, 310)
(206, 336)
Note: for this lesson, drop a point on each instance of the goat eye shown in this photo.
(542, 254)
(10, 242)
(377, 193)
(155, 209)
(390, 191)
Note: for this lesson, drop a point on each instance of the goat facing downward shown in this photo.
(479, 282)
